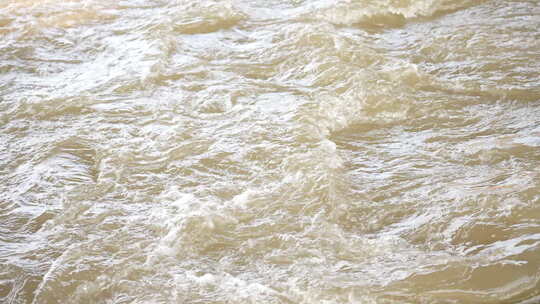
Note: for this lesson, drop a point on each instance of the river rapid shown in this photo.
(270, 151)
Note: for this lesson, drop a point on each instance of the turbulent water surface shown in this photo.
(270, 151)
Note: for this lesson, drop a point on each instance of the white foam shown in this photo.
(348, 12)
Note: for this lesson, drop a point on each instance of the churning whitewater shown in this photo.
(269, 151)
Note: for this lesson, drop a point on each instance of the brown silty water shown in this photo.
(249, 151)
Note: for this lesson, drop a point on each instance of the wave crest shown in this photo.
(388, 12)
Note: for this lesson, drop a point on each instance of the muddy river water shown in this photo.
(269, 151)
